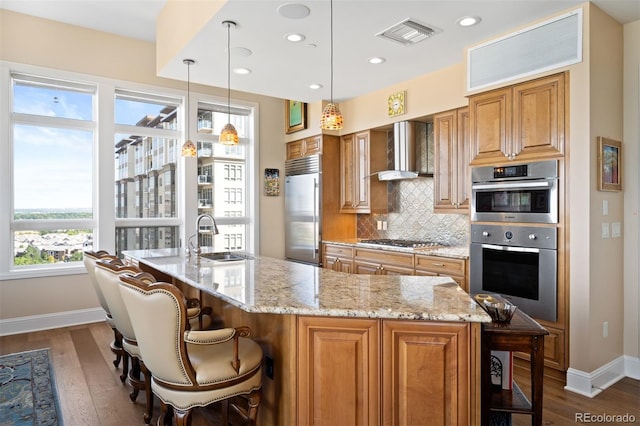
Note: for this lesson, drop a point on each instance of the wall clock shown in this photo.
(396, 103)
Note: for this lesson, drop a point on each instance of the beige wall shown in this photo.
(631, 140)
(64, 47)
(605, 257)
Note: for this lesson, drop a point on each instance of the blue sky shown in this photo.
(53, 167)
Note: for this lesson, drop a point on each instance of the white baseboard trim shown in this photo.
(591, 384)
(632, 367)
(48, 321)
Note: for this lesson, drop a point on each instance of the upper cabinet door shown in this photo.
(521, 122)
(538, 117)
(452, 152)
(490, 123)
(360, 155)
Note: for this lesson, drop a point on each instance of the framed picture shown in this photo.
(272, 182)
(609, 164)
(295, 116)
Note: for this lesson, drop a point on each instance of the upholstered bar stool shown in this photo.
(90, 258)
(107, 274)
(191, 368)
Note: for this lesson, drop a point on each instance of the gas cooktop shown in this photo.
(400, 243)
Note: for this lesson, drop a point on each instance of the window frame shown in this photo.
(104, 219)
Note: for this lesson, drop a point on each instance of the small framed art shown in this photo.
(609, 164)
(295, 116)
(272, 182)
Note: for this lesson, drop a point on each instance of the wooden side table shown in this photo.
(522, 334)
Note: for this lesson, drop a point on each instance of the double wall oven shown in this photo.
(514, 242)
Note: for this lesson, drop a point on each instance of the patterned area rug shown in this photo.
(27, 390)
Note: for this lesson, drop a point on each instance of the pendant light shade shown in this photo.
(331, 116)
(188, 147)
(229, 134)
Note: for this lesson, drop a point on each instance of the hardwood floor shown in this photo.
(91, 393)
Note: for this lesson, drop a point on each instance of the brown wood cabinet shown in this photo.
(360, 155)
(522, 122)
(304, 147)
(338, 371)
(452, 157)
(380, 262)
(356, 260)
(426, 370)
(338, 257)
(443, 266)
(352, 371)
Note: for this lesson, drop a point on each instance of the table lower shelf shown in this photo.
(510, 401)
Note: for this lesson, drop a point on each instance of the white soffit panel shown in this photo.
(542, 47)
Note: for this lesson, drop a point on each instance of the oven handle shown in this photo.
(509, 248)
(511, 185)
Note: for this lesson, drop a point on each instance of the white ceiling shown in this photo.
(284, 69)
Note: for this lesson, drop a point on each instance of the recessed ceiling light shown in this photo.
(376, 60)
(242, 71)
(315, 86)
(294, 37)
(468, 21)
(293, 11)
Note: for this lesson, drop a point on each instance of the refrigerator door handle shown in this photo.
(316, 196)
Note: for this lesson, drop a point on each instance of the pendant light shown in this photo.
(331, 116)
(188, 147)
(229, 134)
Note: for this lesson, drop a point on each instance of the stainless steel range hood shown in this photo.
(404, 153)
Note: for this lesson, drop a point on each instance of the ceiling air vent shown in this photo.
(408, 32)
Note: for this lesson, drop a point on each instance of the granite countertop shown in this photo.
(268, 285)
(459, 252)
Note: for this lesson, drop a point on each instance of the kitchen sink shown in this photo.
(225, 256)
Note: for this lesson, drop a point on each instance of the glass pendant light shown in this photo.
(188, 147)
(331, 116)
(229, 134)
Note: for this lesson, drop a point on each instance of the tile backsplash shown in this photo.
(411, 216)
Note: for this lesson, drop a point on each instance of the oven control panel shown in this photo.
(515, 235)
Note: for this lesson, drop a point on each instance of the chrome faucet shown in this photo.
(196, 248)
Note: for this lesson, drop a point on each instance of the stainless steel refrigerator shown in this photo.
(302, 195)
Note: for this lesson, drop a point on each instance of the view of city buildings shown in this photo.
(146, 167)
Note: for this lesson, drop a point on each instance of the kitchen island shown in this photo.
(343, 348)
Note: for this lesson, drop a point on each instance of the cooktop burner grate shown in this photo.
(400, 243)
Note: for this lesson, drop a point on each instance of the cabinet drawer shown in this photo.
(440, 265)
(385, 257)
(338, 251)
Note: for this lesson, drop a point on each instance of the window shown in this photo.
(222, 180)
(146, 156)
(63, 190)
(52, 137)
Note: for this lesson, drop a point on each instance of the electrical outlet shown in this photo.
(605, 207)
(384, 225)
(605, 230)
(605, 329)
(379, 223)
(268, 367)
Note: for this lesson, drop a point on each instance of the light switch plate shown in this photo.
(615, 230)
(605, 230)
